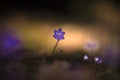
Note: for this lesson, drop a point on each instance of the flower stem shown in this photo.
(54, 48)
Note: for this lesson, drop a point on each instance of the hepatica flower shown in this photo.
(98, 60)
(86, 57)
(59, 35)
(10, 42)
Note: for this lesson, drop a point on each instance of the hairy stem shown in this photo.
(54, 48)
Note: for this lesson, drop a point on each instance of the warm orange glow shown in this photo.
(39, 36)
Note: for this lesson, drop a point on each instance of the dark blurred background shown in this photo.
(82, 9)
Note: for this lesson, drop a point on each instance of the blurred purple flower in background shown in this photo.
(58, 34)
(92, 46)
(98, 60)
(9, 42)
(86, 57)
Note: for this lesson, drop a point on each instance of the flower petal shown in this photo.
(55, 36)
(55, 31)
(59, 30)
(58, 38)
(63, 33)
(62, 37)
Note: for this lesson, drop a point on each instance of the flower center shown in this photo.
(58, 34)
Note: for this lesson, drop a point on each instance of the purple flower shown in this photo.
(9, 42)
(98, 60)
(58, 34)
(86, 57)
